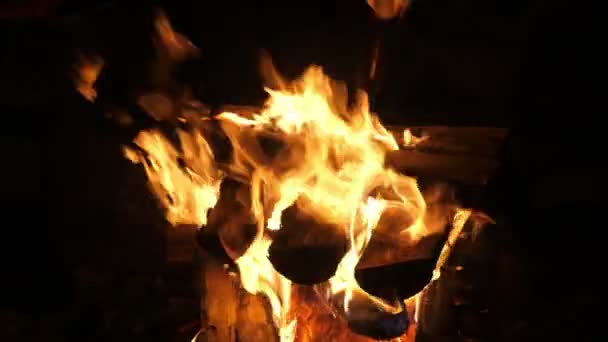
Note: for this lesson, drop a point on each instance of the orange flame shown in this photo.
(86, 71)
(186, 192)
(388, 9)
(306, 148)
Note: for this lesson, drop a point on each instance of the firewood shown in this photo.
(370, 317)
(306, 251)
(254, 322)
(231, 219)
(381, 252)
(228, 312)
(181, 244)
(462, 154)
(399, 280)
(219, 302)
(461, 168)
(474, 141)
(441, 303)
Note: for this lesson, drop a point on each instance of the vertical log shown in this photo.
(254, 320)
(219, 302)
(228, 312)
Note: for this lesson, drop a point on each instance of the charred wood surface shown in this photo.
(306, 251)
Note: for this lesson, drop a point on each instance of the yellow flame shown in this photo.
(460, 219)
(409, 139)
(187, 191)
(306, 148)
(259, 276)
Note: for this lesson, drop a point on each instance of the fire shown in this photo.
(186, 182)
(327, 159)
(388, 9)
(259, 276)
(309, 150)
(86, 72)
(409, 139)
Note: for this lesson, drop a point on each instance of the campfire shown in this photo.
(293, 202)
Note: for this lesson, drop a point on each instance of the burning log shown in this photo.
(318, 248)
(219, 301)
(467, 155)
(254, 322)
(370, 317)
(228, 312)
(459, 168)
(438, 309)
(230, 229)
(322, 170)
(400, 259)
(400, 280)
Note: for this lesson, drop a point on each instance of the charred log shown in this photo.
(230, 222)
(306, 251)
(382, 326)
(401, 280)
(368, 316)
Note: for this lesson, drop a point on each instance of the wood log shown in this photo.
(306, 251)
(228, 312)
(477, 141)
(219, 302)
(463, 154)
(181, 244)
(254, 321)
(459, 168)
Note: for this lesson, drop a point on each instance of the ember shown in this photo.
(308, 177)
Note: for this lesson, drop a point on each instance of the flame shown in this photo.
(259, 276)
(306, 148)
(460, 218)
(388, 9)
(409, 139)
(86, 71)
(187, 191)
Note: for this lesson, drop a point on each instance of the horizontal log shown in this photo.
(478, 141)
(468, 155)
(458, 168)
(382, 252)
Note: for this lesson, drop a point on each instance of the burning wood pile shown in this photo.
(296, 205)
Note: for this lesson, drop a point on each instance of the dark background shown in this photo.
(83, 246)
